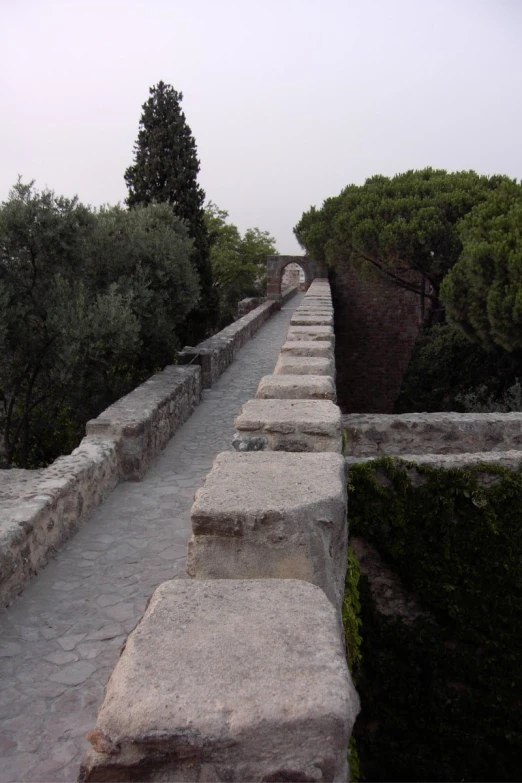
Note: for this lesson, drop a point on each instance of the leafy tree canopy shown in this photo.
(483, 291)
(89, 305)
(403, 227)
(238, 262)
(165, 170)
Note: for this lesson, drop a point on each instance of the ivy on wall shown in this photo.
(441, 695)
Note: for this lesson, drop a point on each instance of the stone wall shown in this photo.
(376, 325)
(431, 433)
(40, 509)
(260, 689)
(217, 353)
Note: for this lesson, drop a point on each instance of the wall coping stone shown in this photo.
(288, 425)
(228, 680)
(310, 387)
(308, 348)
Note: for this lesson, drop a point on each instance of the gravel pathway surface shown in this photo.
(60, 640)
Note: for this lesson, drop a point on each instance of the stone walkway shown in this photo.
(60, 640)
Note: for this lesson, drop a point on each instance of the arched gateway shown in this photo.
(275, 266)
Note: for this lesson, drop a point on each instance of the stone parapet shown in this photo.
(304, 319)
(311, 333)
(308, 348)
(217, 353)
(245, 306)
(228, 680)
(145, 420)
(272, 515)
(304, 365)
(296, 387)
(240, 672)
(431, 433)
(40, 509)
(289, 425)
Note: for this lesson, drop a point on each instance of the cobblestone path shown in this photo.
(60, 640)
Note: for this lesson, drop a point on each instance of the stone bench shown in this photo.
(228, 680)
(296, 387)
(289, 425)
(272, 515)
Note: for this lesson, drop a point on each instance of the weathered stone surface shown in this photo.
(39, 512)
(145, 420)
(246, 306)
(311, 333)
(311, 320)
(228, 680)
(218, 352)
(313, 310)
(272, 514)
(432, 433)
(296, 387)
(304, 365)
(308, 348)
(289, 425)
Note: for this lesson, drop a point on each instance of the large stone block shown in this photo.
(311, 333)
(289, 425)
(313, 310)
(296, 387)
(228, 680)
(272, 514)
(308, 348)
(311, 320)
(304, 365)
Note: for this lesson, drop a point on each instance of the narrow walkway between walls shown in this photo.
(60, 640)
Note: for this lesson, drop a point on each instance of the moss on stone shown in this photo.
(441, 695)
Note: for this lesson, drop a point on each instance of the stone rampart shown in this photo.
(248, 304)
(260, 689)
(431, 433)
(40, 509)
(144, 421)
(217, 353)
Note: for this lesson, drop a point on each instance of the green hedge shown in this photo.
(442, 696)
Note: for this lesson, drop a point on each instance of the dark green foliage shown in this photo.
(445, 366)
(351, 610)
(238, 262)
(165, 170)
(483, 291)
(90, 306)
(441, 695)
(351, 614)
(403, 228)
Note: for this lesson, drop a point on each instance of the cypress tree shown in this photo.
(165, 169)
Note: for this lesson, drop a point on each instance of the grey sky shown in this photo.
(289, 100)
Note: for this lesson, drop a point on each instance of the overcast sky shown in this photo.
(289, 100)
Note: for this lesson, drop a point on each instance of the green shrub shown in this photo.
(441, 695)
(445, 367)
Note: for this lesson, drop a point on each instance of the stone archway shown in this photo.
(275, 266)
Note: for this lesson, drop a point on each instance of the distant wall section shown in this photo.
(276, 266)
